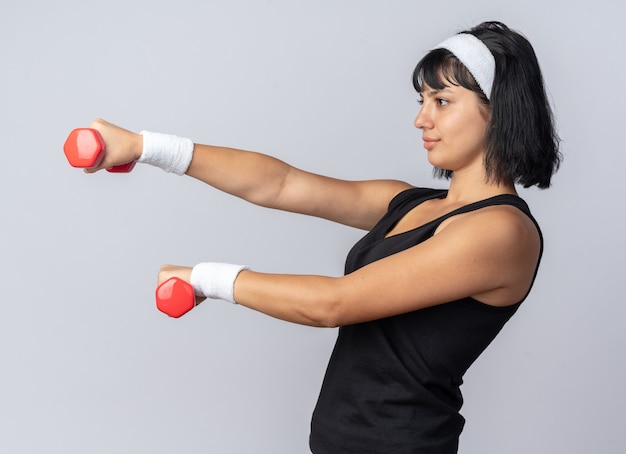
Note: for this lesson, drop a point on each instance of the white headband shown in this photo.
(476, 57)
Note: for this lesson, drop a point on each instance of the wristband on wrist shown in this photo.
(170, 153)
(215, 280)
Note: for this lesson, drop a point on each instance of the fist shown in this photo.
(181, 272)
(122, 146)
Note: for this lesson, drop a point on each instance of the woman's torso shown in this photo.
(392, 385)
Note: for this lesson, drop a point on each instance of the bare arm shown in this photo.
(269, 182)
(465, 259)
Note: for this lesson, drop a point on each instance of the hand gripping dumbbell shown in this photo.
(175, 297)
(85, 148)
(213, 280)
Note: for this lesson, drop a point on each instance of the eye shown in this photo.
(420, 101)
(442, 102)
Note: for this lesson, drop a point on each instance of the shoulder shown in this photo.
(501, 235)
(499, 241)
(495, 250)
(504, 219)
(502, 222)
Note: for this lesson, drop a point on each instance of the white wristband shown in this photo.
(170, 153)
(215, 280)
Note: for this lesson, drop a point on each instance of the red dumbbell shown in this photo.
(85, 148)
(175, 297)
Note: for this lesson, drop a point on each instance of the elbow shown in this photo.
(327, 312)
(328, 322)
(272, 193)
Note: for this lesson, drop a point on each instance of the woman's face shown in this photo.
(454, 124)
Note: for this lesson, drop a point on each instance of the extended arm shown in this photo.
(267, 181)
(490, 256)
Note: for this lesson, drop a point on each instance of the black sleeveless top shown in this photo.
(392, 385)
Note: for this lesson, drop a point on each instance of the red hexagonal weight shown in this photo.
(175, 297)
(124, 168)
(85, 148)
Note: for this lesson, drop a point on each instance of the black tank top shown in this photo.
(393, 385)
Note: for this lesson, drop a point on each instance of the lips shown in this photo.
(429, 143)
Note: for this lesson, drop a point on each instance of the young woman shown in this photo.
(439, 272)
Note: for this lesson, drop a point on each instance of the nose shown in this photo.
(423, 120)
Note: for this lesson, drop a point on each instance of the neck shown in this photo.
(471, 186)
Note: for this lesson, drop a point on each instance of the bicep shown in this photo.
(459, 262)
(357, 204)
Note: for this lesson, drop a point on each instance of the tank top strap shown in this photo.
(502, 199)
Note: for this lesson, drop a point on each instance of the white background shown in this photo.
(88, 365)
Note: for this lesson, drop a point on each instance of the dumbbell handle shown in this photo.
(85, 148)
(175, 297)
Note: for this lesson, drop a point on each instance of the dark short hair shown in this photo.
(521, 144)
